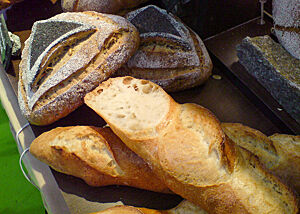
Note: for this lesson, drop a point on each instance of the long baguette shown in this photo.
(185, 207)
(280, 153)
(186, 148)
(95, 155)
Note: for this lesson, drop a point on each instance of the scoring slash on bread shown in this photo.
(286, 16)
(186, 148)
(170, 54)
(279, 153)
(95, 155)
(101, 6)
(67, 56)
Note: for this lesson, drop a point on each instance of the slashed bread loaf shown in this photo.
(280, 153)
(186, 148)
(95, 155)
(185, 207)
(286, 16)
(67, 56)
(102, 6)
(170, 54)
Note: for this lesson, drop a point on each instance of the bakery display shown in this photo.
(102, 6)
(67, 56)
(275, 69)
(186, 148)
(170, 54)
(286, 16)
(179, 149)
(279, 153)
(96, 155)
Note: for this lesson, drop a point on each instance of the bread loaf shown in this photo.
(280, 153)
(67, 56)
(95, 155)
(187, 149)
(185, 207)
(286, 16)
(170, 54)
(102, 6)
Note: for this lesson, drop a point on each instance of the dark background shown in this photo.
(206, 17)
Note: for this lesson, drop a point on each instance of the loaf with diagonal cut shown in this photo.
(67, 56)
(101, 6)
(170, 54)
(279, 153)
(186, 148)
(95, 155)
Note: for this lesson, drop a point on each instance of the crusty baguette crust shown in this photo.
(184, 207)
(104, 52)
(188, 150)
(279, 153)
(101, 6)
(95, 155)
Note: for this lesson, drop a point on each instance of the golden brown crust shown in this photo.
(57, 149)
(189, 151)
(279, 153)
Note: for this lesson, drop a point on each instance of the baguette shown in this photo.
(67, 56)
(279, 153)
(170, 54)
(185, 207)
(95, 155)
(101, 6)
(187, 149)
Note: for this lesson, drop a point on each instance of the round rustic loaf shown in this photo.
(102, 6)
(67, 56)
(170, 54)
(286, 15)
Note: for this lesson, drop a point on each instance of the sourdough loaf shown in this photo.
(187, 149)
(286, 16)
(280, 153)
(185, 207)
(102, 6)
(67, 56)
(170, 54)
(95, 155)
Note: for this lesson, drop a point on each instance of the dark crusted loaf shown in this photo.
(275, 69)
(170, 54)
(67, 56)
(286, 16)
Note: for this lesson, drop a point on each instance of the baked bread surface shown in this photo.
(101, 6)
(170, 136)
(170, 54)
(67, 56)
(286, 16)
(95, 155)
(279, 153)
(184, 207)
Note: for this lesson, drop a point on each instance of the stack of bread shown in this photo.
(181, 148)
(152, 142)
(69, 54)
